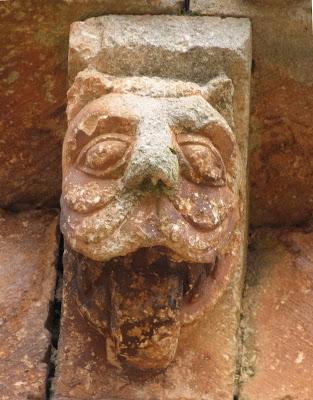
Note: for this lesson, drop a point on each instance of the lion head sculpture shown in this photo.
(149, 206)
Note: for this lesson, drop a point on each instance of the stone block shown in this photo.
(28, 257)
(102, 7)
(126, 72)
(281, 130)
(33, 84)
(277, 324)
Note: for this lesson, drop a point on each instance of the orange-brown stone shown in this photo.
(281, 104)
(28, 256)
(277, 325)
(33, 84)
(153, 208)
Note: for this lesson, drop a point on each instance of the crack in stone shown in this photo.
(53, 323)
(186, 6)
(240, 345)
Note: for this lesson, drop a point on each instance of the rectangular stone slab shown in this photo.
(190, 49)
(277, 325)
(28, 256)
(100, 7)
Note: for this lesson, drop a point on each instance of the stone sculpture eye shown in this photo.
(105, 156)
(202, 162)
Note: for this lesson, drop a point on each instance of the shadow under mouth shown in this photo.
(146, 298)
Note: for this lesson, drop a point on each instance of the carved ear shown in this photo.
(88, 85)
(219, 93)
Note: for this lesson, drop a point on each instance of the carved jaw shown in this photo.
(140, 303)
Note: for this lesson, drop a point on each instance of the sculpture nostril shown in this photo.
(155, 167)
(155, 182)
(162, 181)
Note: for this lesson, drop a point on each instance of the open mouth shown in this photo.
(141, 301)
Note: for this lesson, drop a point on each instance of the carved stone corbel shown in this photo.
(152, 216)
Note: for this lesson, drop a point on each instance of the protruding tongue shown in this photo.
(146, 298)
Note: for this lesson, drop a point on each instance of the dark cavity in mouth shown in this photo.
(140, 302)
(148, 295)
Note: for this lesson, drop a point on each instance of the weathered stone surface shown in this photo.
(203, 367)
(28, 256)
(32, 104)
(282, 100)
(212, 351)
(153, 234)
(33, 51)
(101, 7)
(277, 325)
(129, 159)
(33, 84)
(132, 182)
(141, 46)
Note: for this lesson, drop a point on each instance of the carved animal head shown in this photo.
(149, 163)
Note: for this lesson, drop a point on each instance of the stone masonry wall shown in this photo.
(33, 82)
(281, 146)
(276, 352)
(34, 43)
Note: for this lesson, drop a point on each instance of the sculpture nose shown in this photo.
(153, 159)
